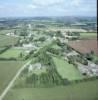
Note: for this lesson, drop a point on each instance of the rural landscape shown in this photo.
(48, 57)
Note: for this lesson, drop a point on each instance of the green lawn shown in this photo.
(67, 70)
(86, 34)
(7, 70)
(55, 46)
(15, 53)
(80, 91)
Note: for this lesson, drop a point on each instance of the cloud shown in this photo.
(76, 3)
(47, 7)
(46, 2)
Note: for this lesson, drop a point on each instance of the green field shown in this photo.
(86, 34)
(67, 70)
(7, 40)
(55, 46)
(80, 91)
(6, 31)
(95, 58)
(12, 53)
(7, 71)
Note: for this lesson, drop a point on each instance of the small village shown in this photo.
(48, 56)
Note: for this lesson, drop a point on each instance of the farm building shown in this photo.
(30, 68)
(27, 45)
(73, 53)
(34, 66)
(10, 34)
(91, 69)
(30, 45)
(38, 65)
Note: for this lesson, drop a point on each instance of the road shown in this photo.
(15, 77)
(13, 80)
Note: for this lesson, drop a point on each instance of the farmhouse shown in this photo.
(34, 66)
(29, 35)
(27, 45)
(38, 65)
(54, 37)
(30, 45)
(94, 68)
(30, 68)
(71, 37)
(10, 34)
(73, 53)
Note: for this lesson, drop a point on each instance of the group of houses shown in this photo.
(91, 69)
(34, 66)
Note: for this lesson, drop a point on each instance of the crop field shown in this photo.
(7, 71)
(84, 46)
(12, 53)
(67, 70)
(7, 40)
(6, 31)
(80, 91)
(66, 29)
(87, 35)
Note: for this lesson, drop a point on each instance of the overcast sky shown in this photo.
(19, 8)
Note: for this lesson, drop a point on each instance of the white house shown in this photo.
(30, 68)
(27, 45)
(10, 34)
(73, 53)
(38, 65)
(54, 37)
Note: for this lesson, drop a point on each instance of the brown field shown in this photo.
(85, 46)
(66, 29)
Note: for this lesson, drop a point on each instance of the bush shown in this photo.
(7, 59)
(3, 50)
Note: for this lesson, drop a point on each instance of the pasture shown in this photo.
(80, 91)
(7, 71)
(5, 31)
(88, 34)
(7, 40)
(67, 70)
(12, 53)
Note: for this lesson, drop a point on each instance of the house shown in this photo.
(29, 35)
(27, 51)
(71, 37)
(10, 34)
(38, 65)
(94, 69)
(27, 45)
(73, 53)
(55, 38)
(90, 70)
(83, 70)
(30, 68)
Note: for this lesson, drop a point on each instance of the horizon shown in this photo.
(49, 17)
